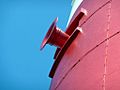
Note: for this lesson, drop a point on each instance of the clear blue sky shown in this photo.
(23, 25)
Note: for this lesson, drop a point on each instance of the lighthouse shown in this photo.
(88, 52)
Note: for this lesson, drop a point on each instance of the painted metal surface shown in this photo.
(55, 36)
(73, 25)
(92, 60)
(63, 50)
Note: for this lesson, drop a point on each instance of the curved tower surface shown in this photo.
(89, 58)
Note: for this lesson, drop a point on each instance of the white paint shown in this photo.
(75, 5)
(80, 29)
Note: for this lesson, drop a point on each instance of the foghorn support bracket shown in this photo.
(73, 25)
(63, 50)
(62, 40)
(75, 22)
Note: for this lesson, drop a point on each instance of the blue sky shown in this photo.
(23, 25)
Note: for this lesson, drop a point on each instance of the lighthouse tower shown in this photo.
(88, 52)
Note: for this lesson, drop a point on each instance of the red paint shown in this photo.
(92, 61)
(55, 36)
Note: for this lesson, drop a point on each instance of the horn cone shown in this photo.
(54, 36)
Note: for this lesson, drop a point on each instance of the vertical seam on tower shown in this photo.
(106, 47)
(107, 35)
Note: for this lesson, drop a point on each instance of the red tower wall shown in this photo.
(92, 61)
